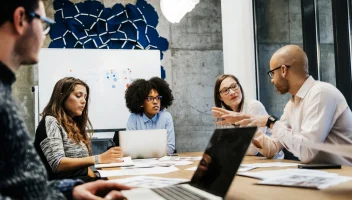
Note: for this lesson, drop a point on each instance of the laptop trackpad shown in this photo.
(141, 193)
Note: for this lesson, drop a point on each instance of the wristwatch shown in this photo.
(272, 119)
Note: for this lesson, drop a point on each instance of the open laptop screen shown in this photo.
(221, 159)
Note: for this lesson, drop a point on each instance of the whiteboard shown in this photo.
(107, 73)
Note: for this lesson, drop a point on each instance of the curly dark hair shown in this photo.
(139, 90)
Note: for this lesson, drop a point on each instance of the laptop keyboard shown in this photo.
(177, 193)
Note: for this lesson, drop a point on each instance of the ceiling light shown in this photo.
(174, 10)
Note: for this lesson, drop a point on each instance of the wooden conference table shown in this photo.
(245, 188)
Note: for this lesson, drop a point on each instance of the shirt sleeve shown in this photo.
(170, 134)
(52, 146)
(315, 126)
(132, 122)
(267, 144)
(65, 186)
(24, 174)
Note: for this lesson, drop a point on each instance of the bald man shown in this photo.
(317, 112)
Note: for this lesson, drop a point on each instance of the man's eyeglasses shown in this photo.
(234, 87)
(271, 72)
(46, 22)
(151, 99)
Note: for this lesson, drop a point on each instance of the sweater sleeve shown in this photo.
(52, 146)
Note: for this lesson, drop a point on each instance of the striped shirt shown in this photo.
(162, 120)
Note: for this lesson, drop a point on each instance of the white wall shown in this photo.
(238, 43)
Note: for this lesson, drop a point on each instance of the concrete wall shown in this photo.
(327, 55)
(280, 23)
(192, 63)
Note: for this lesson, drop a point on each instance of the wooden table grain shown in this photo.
(245, 188)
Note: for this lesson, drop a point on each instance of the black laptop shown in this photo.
(215, 172)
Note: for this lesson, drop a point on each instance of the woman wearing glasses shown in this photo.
(147, 101)
(62, 140)
(230, 99)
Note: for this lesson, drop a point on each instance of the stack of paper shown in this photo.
(179, 158)
(127, 161)
(270, 164)
(138, 171)
(158, 162)
(283, 172)
(305, 181)
(297, 178)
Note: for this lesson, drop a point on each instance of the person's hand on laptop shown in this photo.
(99, 190)
(114, 154)
(228, 117)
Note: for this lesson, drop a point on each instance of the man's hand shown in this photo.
(254, 120)
(228, 117)
(99, 190)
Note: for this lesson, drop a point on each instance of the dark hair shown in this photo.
(75, 127)
(218, 102)
(8, 8)
(139, 90)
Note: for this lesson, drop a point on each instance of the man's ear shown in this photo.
(19, 20)
(284, 71)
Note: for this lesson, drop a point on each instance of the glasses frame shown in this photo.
(151, 99)
(271, 74)
(49, 22)
(234, 89)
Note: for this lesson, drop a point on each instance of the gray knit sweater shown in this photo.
(22, 175)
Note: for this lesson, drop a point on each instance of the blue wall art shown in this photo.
(90, 25)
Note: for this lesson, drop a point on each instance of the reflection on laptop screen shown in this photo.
(222, 159)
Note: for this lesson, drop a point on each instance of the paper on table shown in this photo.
(127, 161)
(306, 181)
(156, 162)
(284, 172)
(270, 164)
(149, 181)
(178, 158)
(245, 168)
(337, 149)
(241, 169)
(177, 163)
(192, 168)
(138, 171)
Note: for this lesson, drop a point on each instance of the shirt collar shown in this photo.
(6, 75)
(305, 87)
(146, 118)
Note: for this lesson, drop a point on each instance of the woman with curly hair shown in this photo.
(147, 101)
(62, 139)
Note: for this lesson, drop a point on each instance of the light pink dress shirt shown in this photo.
(317, 113)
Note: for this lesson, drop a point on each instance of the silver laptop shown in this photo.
(215, 171)
(144, 143)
